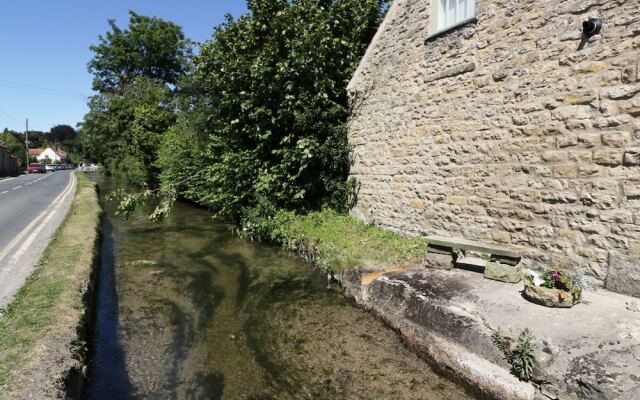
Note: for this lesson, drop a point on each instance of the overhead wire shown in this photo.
(42, 90)
(39, 90)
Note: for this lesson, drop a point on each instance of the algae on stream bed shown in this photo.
(203, 314)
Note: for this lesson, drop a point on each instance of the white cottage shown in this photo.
(55, 155)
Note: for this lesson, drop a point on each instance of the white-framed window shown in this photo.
(449, 13)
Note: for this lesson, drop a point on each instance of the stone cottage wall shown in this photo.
(504, 131)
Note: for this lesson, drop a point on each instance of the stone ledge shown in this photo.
(471, 245)
(589, 352)
(453, 71)
(632, 157)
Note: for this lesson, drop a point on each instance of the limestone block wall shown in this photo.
(507, 130)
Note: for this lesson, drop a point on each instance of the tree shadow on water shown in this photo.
(108, 376)
(207, 386)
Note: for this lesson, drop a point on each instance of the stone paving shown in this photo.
(588, 352)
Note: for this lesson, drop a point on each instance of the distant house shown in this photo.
(35, 153)
(54, 154)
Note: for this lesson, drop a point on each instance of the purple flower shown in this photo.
(555, 274)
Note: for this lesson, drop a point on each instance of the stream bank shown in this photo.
(186, 309)
(44, 332)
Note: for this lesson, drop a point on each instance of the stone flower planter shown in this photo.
(551, 297)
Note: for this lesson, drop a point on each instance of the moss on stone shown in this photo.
(503, 272)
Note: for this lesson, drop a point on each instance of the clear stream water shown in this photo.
(187, 310)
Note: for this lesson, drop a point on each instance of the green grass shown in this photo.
(44, 316)
(338, 242)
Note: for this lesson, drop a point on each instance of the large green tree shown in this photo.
(123, 131)
(136, 73)
(268, 107)
(61, 133)
(150, 47)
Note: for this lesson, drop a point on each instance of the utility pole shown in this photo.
(26, 142)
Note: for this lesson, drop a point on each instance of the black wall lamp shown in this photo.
(591, 27)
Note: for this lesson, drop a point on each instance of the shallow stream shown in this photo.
(187, 310)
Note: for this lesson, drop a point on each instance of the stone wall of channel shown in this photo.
(512, 129)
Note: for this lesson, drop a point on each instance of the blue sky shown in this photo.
(44, 50)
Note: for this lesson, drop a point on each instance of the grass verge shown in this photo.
(40, 333)
(336, 242)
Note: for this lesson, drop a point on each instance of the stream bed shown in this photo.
(187, 310)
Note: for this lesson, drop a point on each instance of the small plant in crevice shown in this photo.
(79, 348)
(521, 356)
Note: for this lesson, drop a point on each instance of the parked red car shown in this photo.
(36, 169)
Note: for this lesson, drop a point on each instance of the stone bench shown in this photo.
(502, 263)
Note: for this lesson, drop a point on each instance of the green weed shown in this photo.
(332, 240)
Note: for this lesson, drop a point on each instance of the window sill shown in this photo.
(444, 31)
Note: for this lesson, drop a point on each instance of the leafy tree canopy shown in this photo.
(258, 124)
(37, 139)
(135, 71)
(61, 133)
(150, 47)
(270, 110)
(123, 132)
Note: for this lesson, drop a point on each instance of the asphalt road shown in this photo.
(31, 209)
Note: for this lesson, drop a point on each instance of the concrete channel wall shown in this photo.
(8, 163)
(513, 128)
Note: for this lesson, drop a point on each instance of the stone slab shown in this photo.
(471, 245)
(503, 272)
(623, 274)
(473, 261)
(453, 71)
(505, 260)
(439, 261)
(588, 352)
(633, 394)
(439, 249)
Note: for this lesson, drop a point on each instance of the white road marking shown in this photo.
(26, 184)
(34, 235)
(33, 223)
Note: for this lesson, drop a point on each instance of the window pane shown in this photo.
(451, 13)
(441, 21)
(471, 8)
(461, 12)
